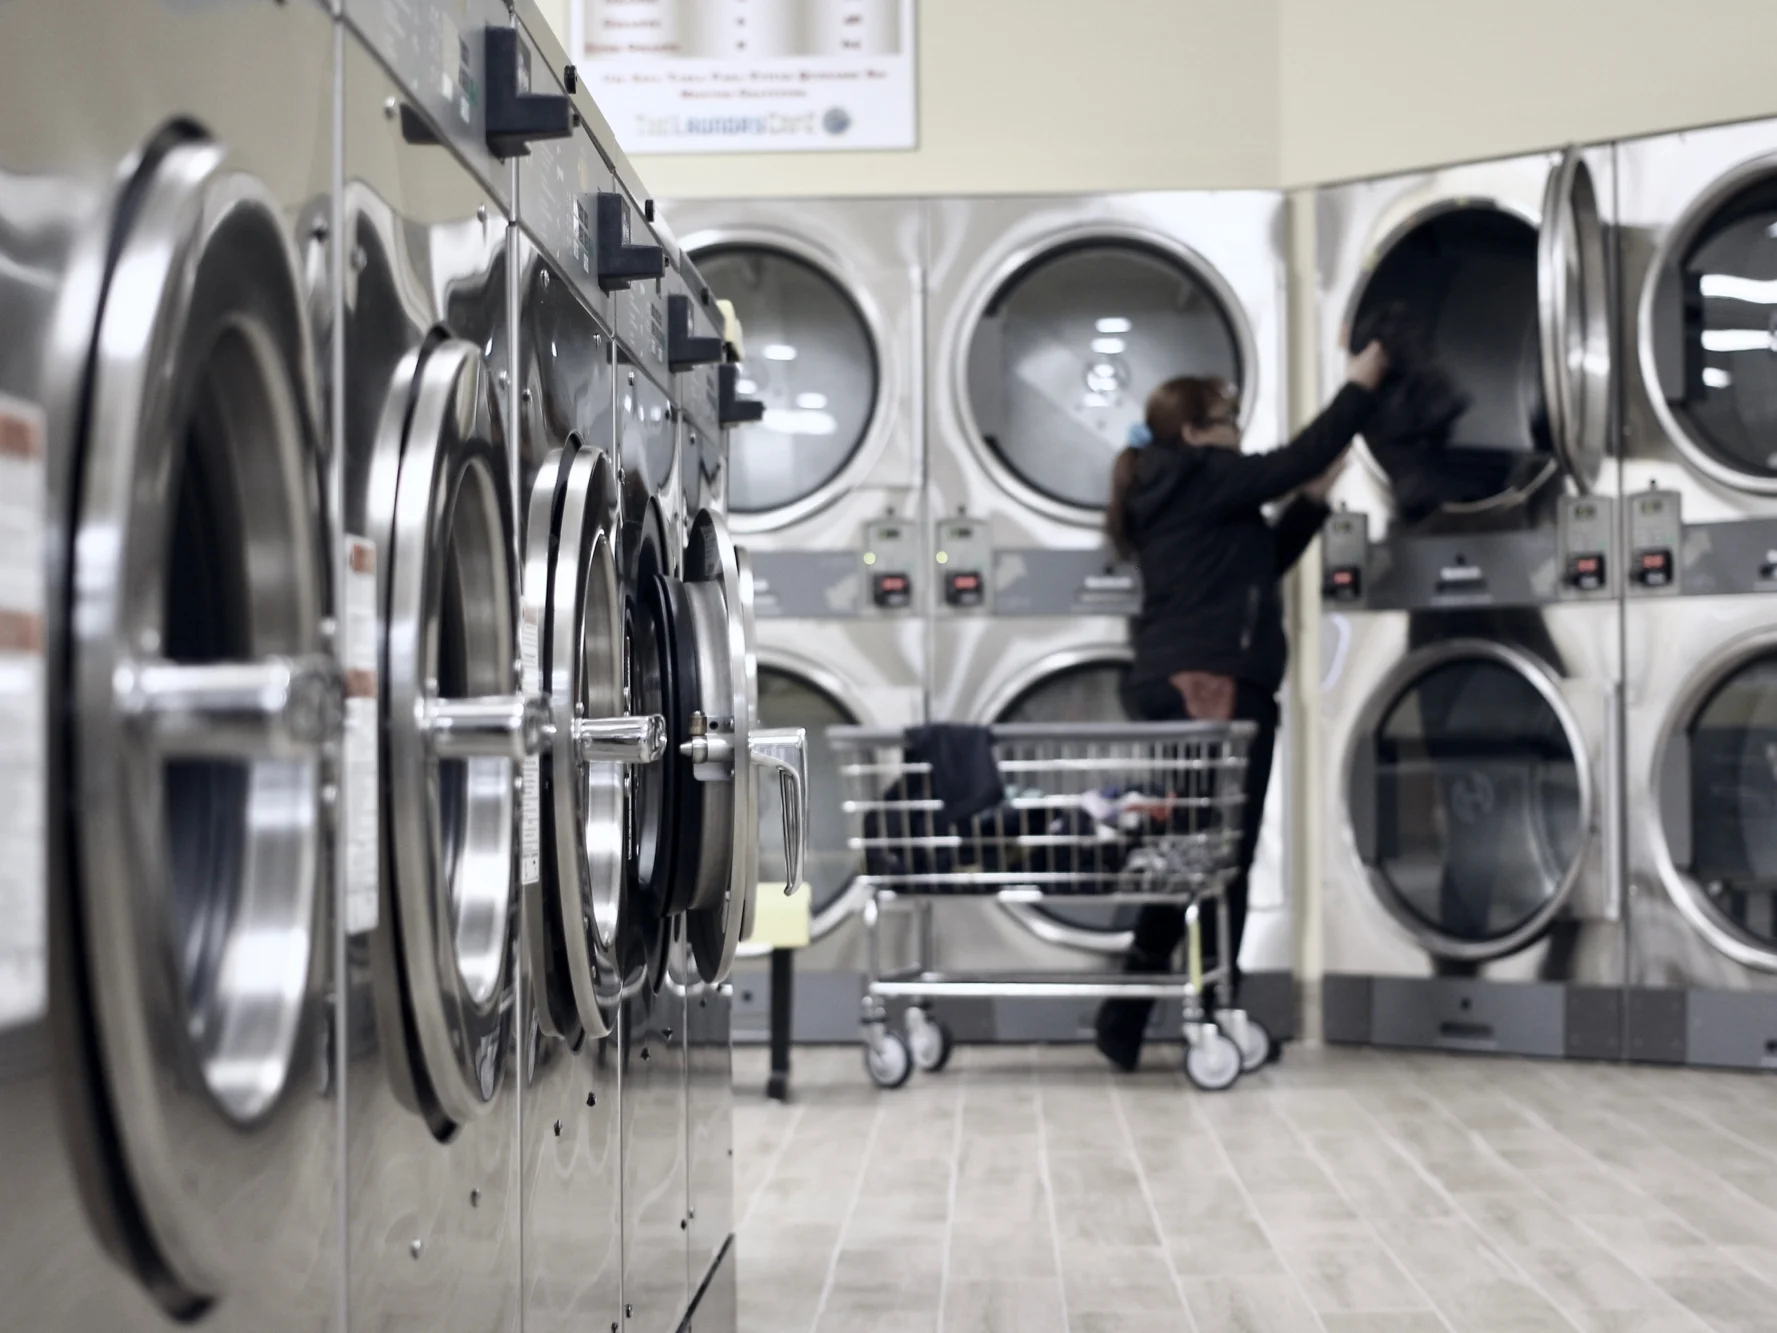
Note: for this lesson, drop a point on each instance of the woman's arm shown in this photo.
(1295, 530)
(1235, 481)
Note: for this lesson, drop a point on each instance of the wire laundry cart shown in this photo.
(1124, 812)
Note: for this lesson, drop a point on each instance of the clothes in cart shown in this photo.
(964, 775)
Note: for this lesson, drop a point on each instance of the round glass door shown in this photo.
(1461, 288)
(1732, 814)
(790, 700)
(1063, 358)
(1709, 331)
(1469, 804)
(1090, 692)
(810, 359)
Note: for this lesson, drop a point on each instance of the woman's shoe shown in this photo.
(1117, 1038)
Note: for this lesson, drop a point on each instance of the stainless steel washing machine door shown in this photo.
(1084, 690)
(1707, 333)
(1065, 347)
(1469, 798)
(572, 635)
(813, 359)
(456, 729)
(1574, 315)
(1715, 778)
(201, 702)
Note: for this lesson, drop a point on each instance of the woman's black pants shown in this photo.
(1158, 928)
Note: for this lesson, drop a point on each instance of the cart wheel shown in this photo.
(1255, 1045)
(1212, 1062)
(888, 1060)
(931, 1042)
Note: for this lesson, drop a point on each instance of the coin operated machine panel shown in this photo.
(964, 558)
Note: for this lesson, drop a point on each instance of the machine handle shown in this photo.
(785, 749)
(275, 708)
(501, 726)
(620, 740)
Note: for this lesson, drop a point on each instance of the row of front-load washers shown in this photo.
(377, 684)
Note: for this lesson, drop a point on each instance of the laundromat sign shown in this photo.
(751, 76)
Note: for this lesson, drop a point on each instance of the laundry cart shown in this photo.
(1131, 813)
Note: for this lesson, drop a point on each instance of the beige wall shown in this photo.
(1048, 96)
(1374, 86)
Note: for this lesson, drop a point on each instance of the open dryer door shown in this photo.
(201, 701)
(1574, 305)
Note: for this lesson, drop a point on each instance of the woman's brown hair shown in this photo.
(1187, 401)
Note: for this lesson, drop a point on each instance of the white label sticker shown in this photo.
(530, 845)
(361, 779)
(24, 990)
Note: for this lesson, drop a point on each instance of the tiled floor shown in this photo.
(1028, 1191)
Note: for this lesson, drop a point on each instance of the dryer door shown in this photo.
(1470, 798)
(201, 700)
(1066, 347)
(1708, 332)
(1088, 691)
(1716, 784)
(1574, 300)
(813, 359)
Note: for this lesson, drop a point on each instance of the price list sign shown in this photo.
(751, 76)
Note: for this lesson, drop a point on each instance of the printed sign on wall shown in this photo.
(748, 76)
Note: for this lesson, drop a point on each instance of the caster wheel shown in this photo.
(931, 1043)
(1256, 1046)
(888, 1061)
(1213, 1061)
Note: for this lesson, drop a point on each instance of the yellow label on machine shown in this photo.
(780, 919)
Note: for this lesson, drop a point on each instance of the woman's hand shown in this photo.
(1369, 367)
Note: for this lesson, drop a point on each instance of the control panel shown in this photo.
(1345, 552)
(963, 557)
(891, 555)
(1656, 531)
(1586, 524)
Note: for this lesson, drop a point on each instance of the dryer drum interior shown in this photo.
(1710, 331)
(1466, 280)
(789, 699)
(812, 360)
(1468, 803)
(1085, 692)
(1718, 803)
(1060, 363)
(200, 704)
(455, 729)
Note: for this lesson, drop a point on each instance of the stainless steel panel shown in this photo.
(432, 1206)
(710, 1123)
(255, 1197)
(656, 1243)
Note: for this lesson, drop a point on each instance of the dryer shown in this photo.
(1048, 322)
(1470, 704)
(170, 695)
(1698, 213)
(825, 489)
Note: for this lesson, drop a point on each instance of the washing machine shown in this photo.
(825, 488)
(1470, 692)
(1048, 322)
(441, 736)
(1698, 214)
(170, 694)
(574, 868)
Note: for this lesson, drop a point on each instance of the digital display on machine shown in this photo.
(1653, 569)
(963, 589)
(891, 591)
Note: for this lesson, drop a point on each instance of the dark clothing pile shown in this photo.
(1210, 562)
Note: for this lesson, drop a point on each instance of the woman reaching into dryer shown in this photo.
(1186, 505)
